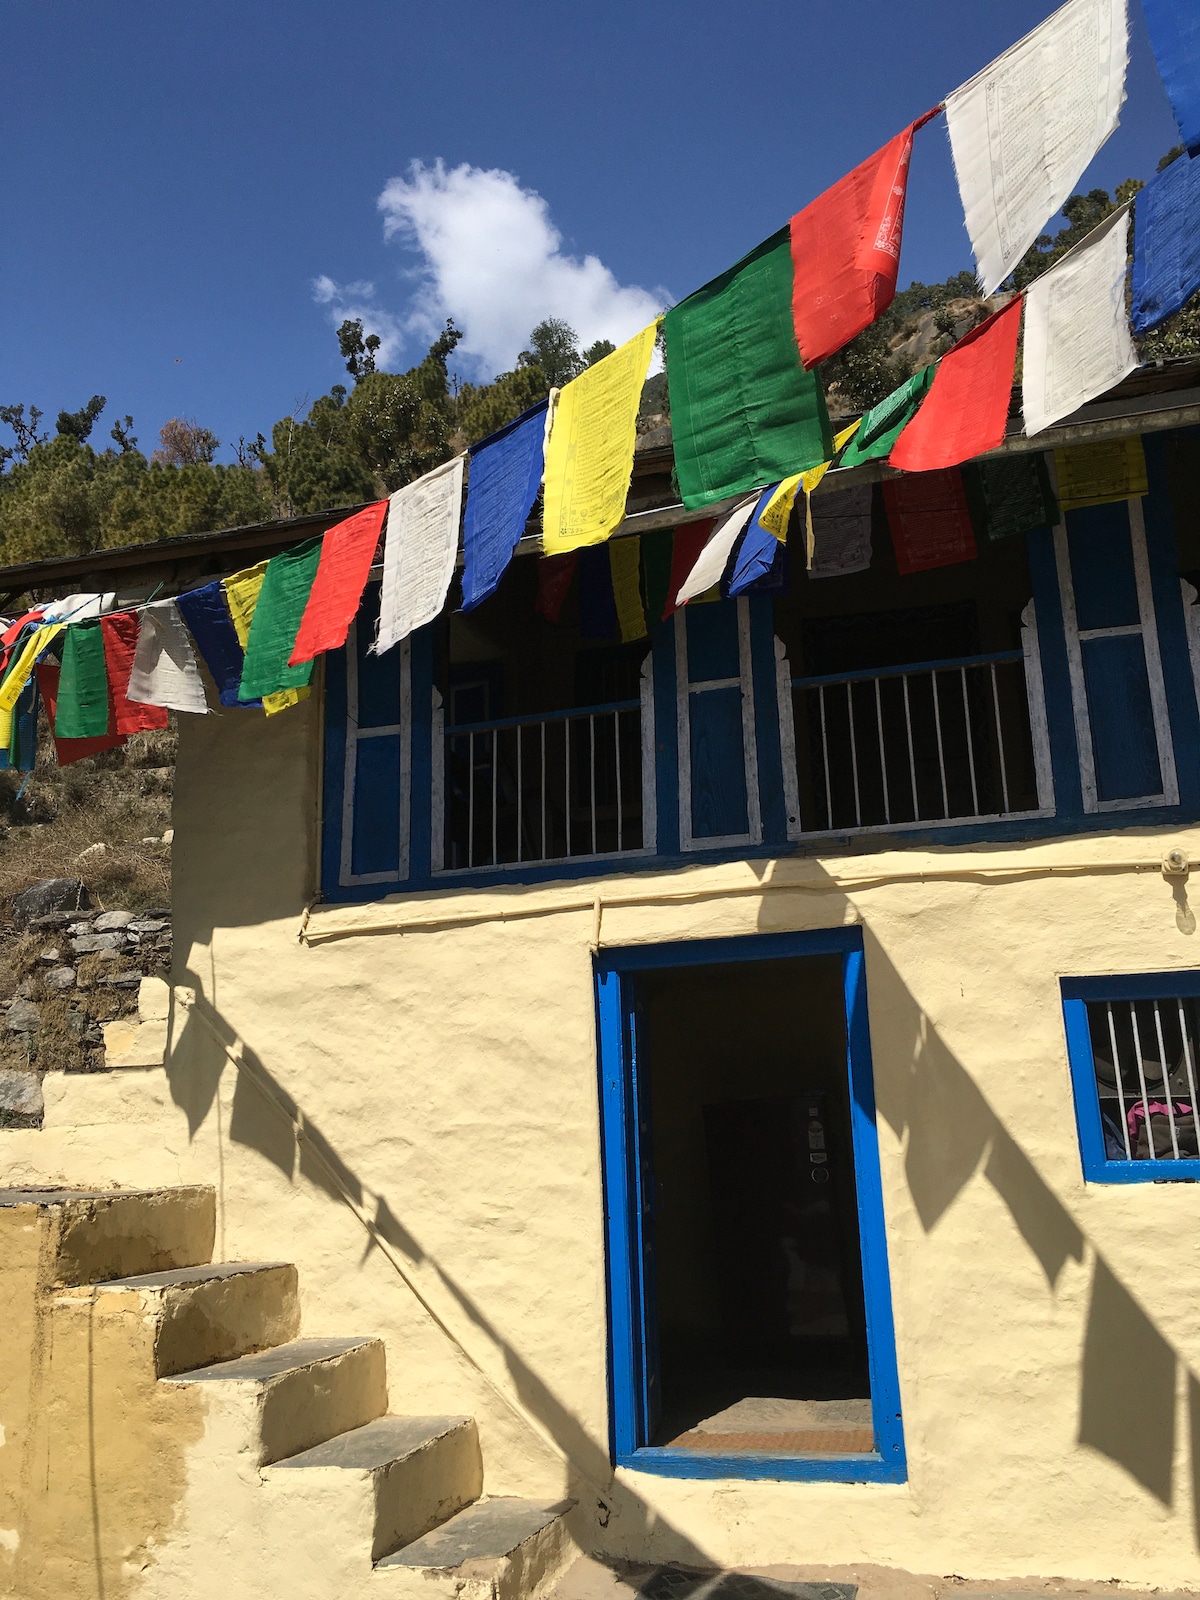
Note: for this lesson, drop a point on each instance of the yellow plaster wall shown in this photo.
(443, 1189)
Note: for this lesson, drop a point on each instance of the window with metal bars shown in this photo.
(1134, 1050)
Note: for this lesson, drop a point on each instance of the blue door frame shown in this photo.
(630, 1297)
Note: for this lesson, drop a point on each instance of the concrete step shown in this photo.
(394, 1479)
(497, 1549)
(198, 1315)
(93, 1235)
(280, 1402)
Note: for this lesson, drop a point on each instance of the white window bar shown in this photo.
(1126, 1030)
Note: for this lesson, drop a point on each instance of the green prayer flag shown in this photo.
(1010, 495)
(83, 709)
(286, 586)
(884, 423)
(744, 413)
(657, 549)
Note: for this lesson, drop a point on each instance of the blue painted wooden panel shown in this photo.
(376, 846)
(378, 676)
(1102, 567)
(1056, 674)
(718, 763)
(1172, 629)
(1118, 694)
(772, 806)
(666, 753)
(712, 640)
(333, 775)
(420, 674)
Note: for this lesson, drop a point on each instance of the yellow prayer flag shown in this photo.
(589, 458)
(812, 478)
(241, 596)
(1094, 474)
(778, 509)
(10, 690)
(625, 564)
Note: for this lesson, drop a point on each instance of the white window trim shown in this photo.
(347, 877)
(684, 689)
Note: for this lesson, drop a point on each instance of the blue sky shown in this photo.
(179, 177)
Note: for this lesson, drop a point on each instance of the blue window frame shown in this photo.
(1132, 1044)
(631, 1298)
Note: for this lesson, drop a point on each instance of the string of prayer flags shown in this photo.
(756, 552)
(68, 750)
(164, 664)
(589, 456)
(714, 557)
(929, 520)
(1166, 241)
(506, 472)
(1024, 129)
(1095, 474)
(846, 250)
(883, 424)
(966, 410)
(625, 568)
(83, 707)
(744, 412)
(278, 612)
(206, 613)
(842, 532)
(241, 595)
(555, 574)
(418, 552)
(119, 630)
(1175, 38)
(347, 551)
(1010, 495)
(687, 546)
(597, 603)
(1077, 339)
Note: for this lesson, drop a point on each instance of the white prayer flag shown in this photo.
(1025, 128)
(841, 531)
(711, 561)
(1077, 339)
(164, 669)
(418, 552)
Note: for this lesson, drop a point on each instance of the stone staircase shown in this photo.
(267, 1462)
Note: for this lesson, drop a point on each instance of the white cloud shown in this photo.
(491, 258)
(357, 300)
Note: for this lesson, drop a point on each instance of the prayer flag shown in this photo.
(78, 607)
(1024, 129)
(1010, 495)
(1175, 37)
(884, 423)
(83, 705)
(21, 753)
(206, 613)
(506, 470)
(966, 410)
(18, 674)
(625, 567)
(347, 552)
(842, 531)
(597, 604)
(929, 520)
(589, 457)
(846, 251)
(756, 553)
(687, 543)
(164, 664)
(657, 548)
(713, 558)
(555, 575)
(241, 594)
(744, 412)
(418, 552)
(282, 600)
(68, 750)
(779, 507)
(1094, 474)
(1077, 339)
(1166, 241)
(119, 630)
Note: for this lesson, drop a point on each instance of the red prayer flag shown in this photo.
(929, 520)
(68, 750)
(347, 551)
(554, 580)
(119, 630)
(846, 250)
(685, 552)
(965, 412)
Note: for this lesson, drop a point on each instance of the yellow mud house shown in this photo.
(727, 1097)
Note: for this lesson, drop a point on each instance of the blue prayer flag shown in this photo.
(1175, 35)
(755, 555)
(597, 603)
(207, 616)
(506, 469)
(1166, 243)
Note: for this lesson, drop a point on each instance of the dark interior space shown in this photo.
(749, 1210)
